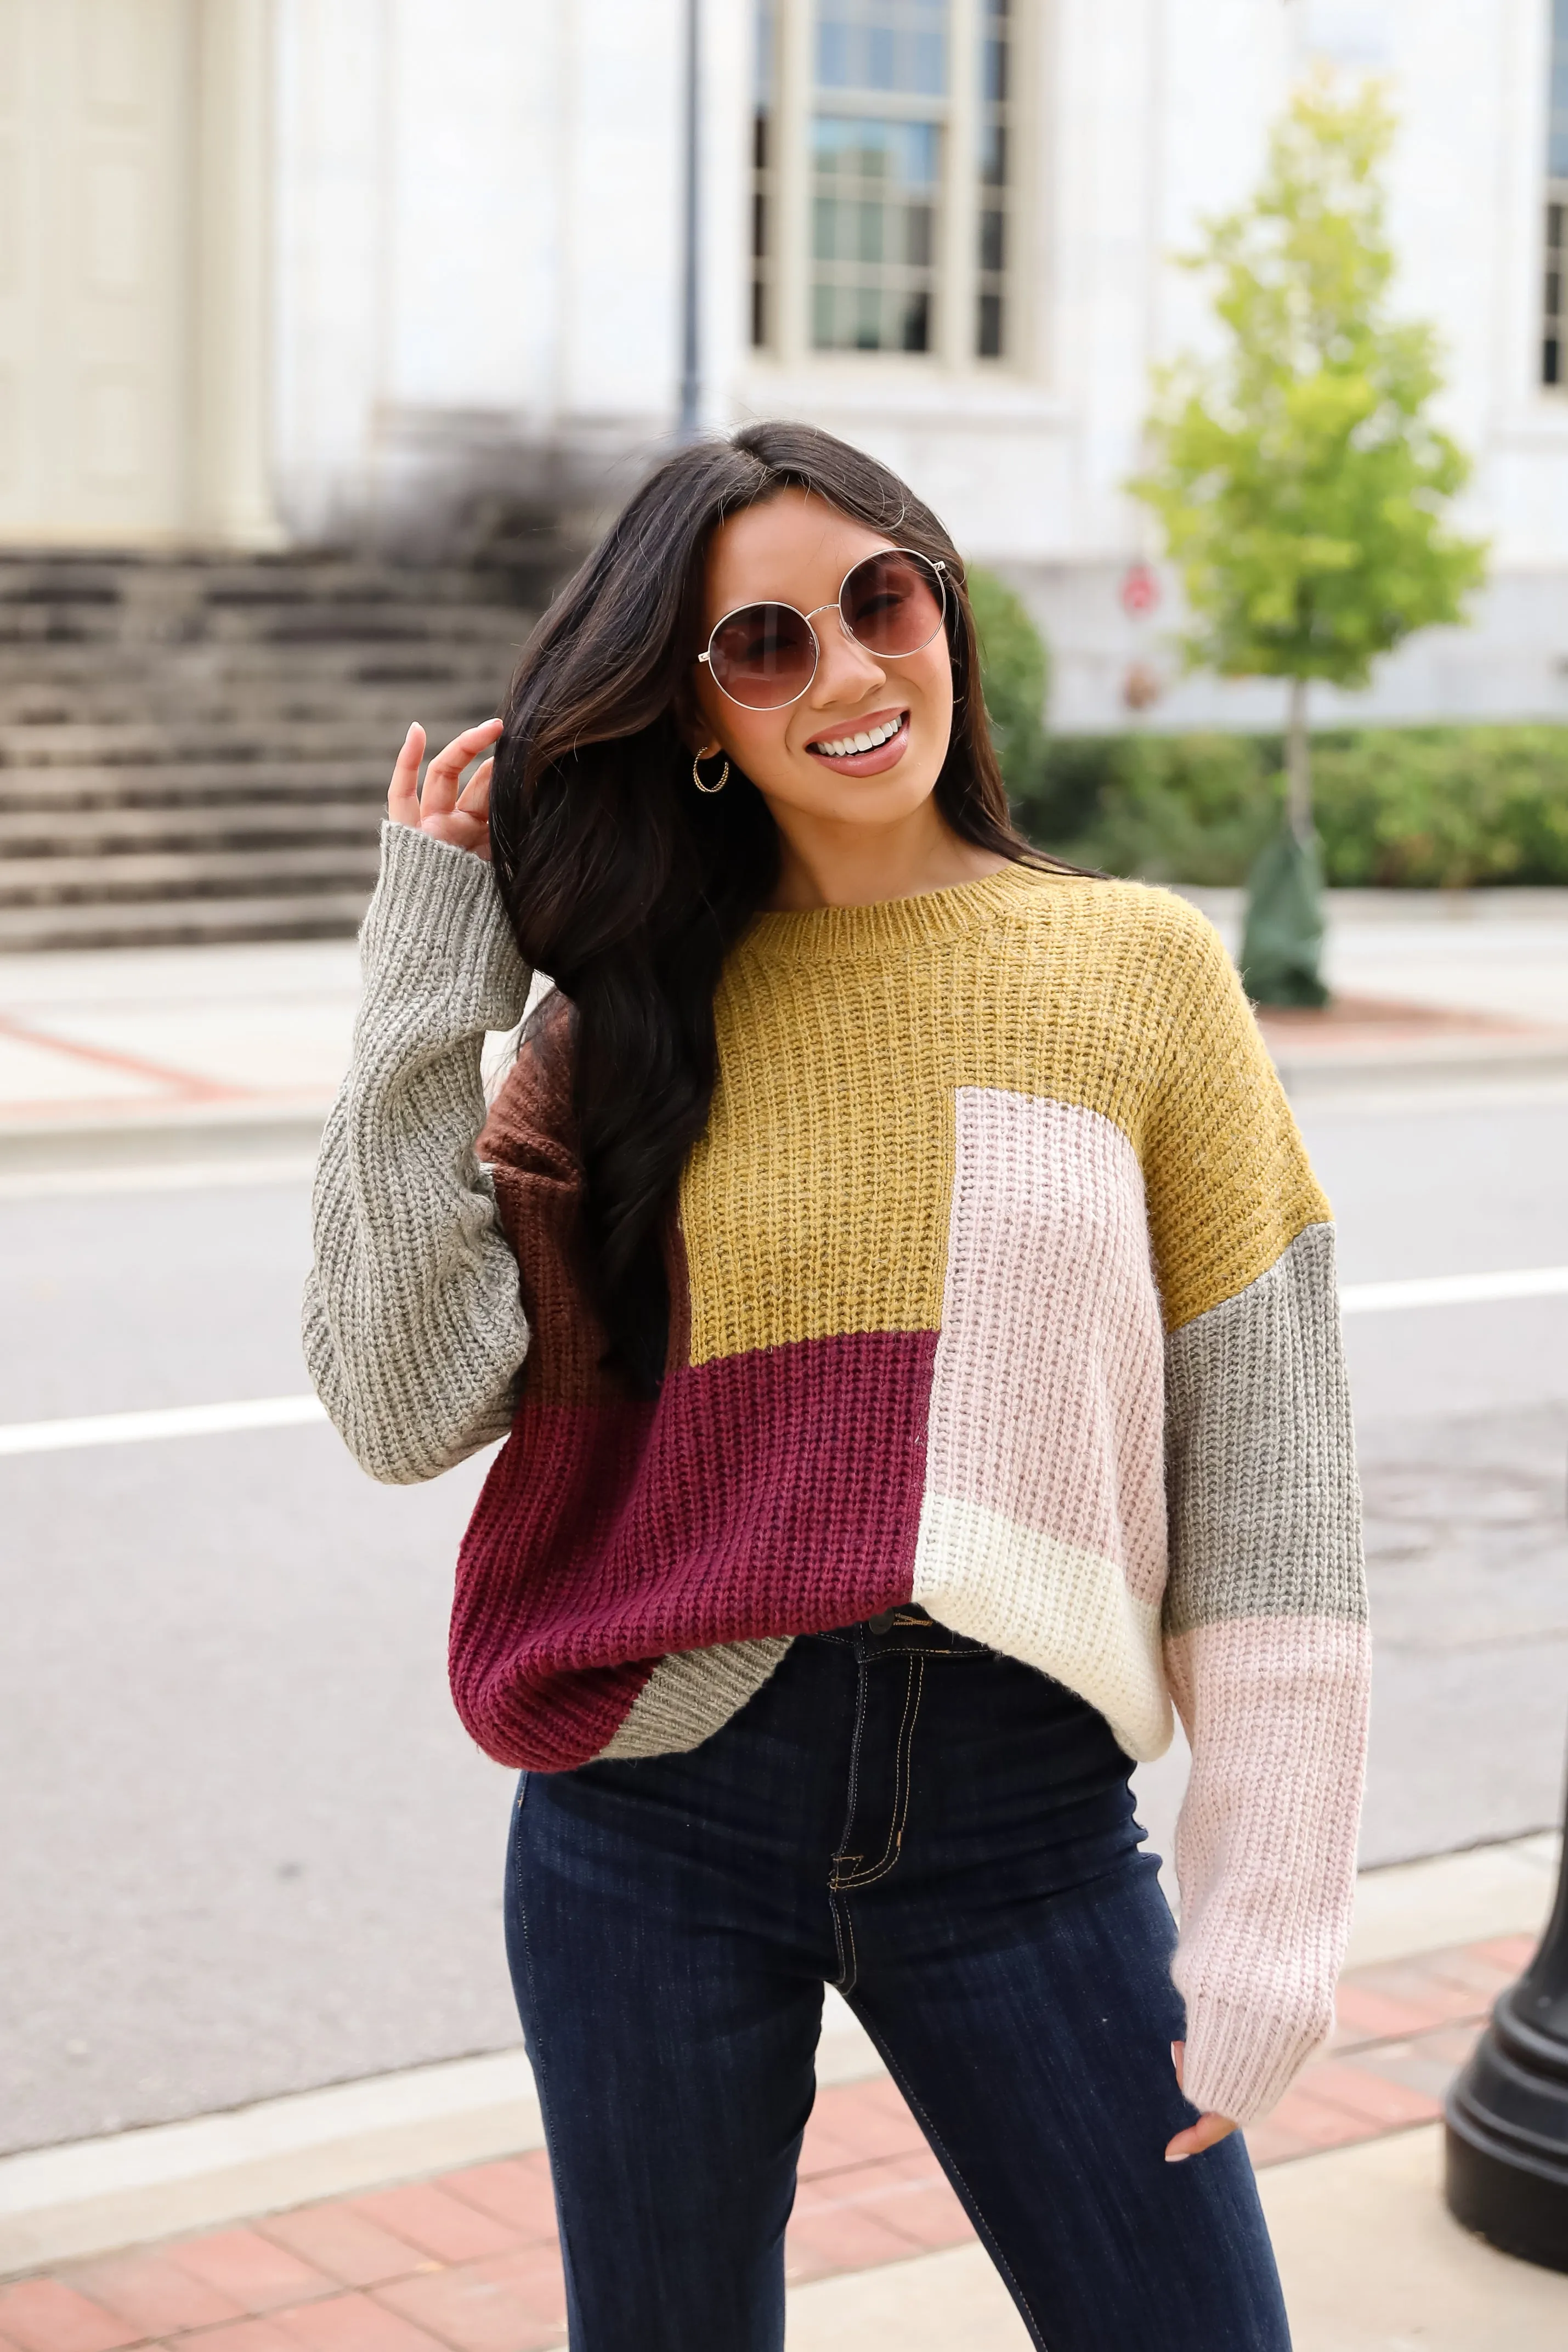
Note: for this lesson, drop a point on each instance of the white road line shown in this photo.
(171, 1421)
(1454, 1290)
(294, 1412)
(153, 1176)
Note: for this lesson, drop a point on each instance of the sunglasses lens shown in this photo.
(892, 604)
(763, 655)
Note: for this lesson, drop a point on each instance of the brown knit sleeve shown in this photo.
(529, 1145)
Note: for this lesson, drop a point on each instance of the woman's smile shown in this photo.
(865, 747)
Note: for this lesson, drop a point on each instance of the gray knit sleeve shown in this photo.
(414, 1327)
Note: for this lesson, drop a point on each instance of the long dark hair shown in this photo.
(628, 887)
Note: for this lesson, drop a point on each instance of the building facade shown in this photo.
(277, 270)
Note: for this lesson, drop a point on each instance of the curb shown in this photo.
(288, 1127)
(1416, 1063)
(92, 2197)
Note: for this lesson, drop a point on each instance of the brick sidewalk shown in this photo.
(468, 2263)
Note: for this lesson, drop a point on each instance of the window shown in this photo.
(1553, 355)
(879, 94)
(995, 229)
(882, 171)
(762, 194)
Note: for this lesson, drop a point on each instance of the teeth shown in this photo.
(865, 741)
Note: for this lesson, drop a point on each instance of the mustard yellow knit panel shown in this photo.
(816, 1203)
(1228, 1179)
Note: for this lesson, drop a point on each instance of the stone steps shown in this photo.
(54, 633)
(37, 833)
(41, 671)
(194, 782)
(64, 598)
(197, 747)
(186, 872)
(164, 921)
(142, 742)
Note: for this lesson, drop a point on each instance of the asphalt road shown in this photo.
(1462, 1428)
(244, 1846)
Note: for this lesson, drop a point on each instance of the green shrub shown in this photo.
(1420, 807)
(1440, 807)
(1015, 678)
(1173, 808)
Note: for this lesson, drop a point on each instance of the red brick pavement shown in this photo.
(468, 2263)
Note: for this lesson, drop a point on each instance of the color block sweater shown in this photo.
(999, 1283)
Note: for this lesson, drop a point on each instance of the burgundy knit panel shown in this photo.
(530, 1140)
(772, 1493)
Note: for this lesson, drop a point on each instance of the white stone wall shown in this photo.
(477, 236)
(478, 240)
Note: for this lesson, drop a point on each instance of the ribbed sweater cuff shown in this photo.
(438, 917)
(1240, 2060)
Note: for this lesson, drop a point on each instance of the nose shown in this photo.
(846, 672)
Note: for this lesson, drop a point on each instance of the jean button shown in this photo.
(884, 1621)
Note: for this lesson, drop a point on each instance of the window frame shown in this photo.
(1551, 342)
(1552, 276)
(785, 190)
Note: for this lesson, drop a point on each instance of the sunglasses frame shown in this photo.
(932, 563)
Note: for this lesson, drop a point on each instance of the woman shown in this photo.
(879, 1225)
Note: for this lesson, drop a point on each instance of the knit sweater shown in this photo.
(999, 1283)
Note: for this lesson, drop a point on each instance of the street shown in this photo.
(897, 417)
(1462, 1426)
(247, 1846)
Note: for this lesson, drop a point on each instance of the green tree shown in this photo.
(1298, 477)
(1015, 679)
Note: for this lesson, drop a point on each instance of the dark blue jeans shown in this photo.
(949, 1837)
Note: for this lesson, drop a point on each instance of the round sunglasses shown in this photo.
(765, 657)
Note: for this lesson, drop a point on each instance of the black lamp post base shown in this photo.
(1507, 2156)
(1519, 2212)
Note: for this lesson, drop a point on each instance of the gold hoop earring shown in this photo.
(697, 776)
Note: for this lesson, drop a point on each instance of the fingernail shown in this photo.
(1180, 2156)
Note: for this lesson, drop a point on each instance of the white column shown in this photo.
(331, 205)
(792, 180)
(960, 166)
(231, 495)
(728, 54)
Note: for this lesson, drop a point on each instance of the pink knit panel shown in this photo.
(1047, 1399)
(1275, 1708)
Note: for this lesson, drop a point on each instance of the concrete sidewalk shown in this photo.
(1504, 952)
(189, 1054)
(218, 1053)
(1371, 2261)
(413, 2214)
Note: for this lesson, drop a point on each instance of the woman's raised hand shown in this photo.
(448, 808)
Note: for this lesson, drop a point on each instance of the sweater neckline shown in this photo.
(889, 926)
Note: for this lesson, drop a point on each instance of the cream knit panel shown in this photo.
(1042, 1531)
(414, 1327)
(1268, 1658)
